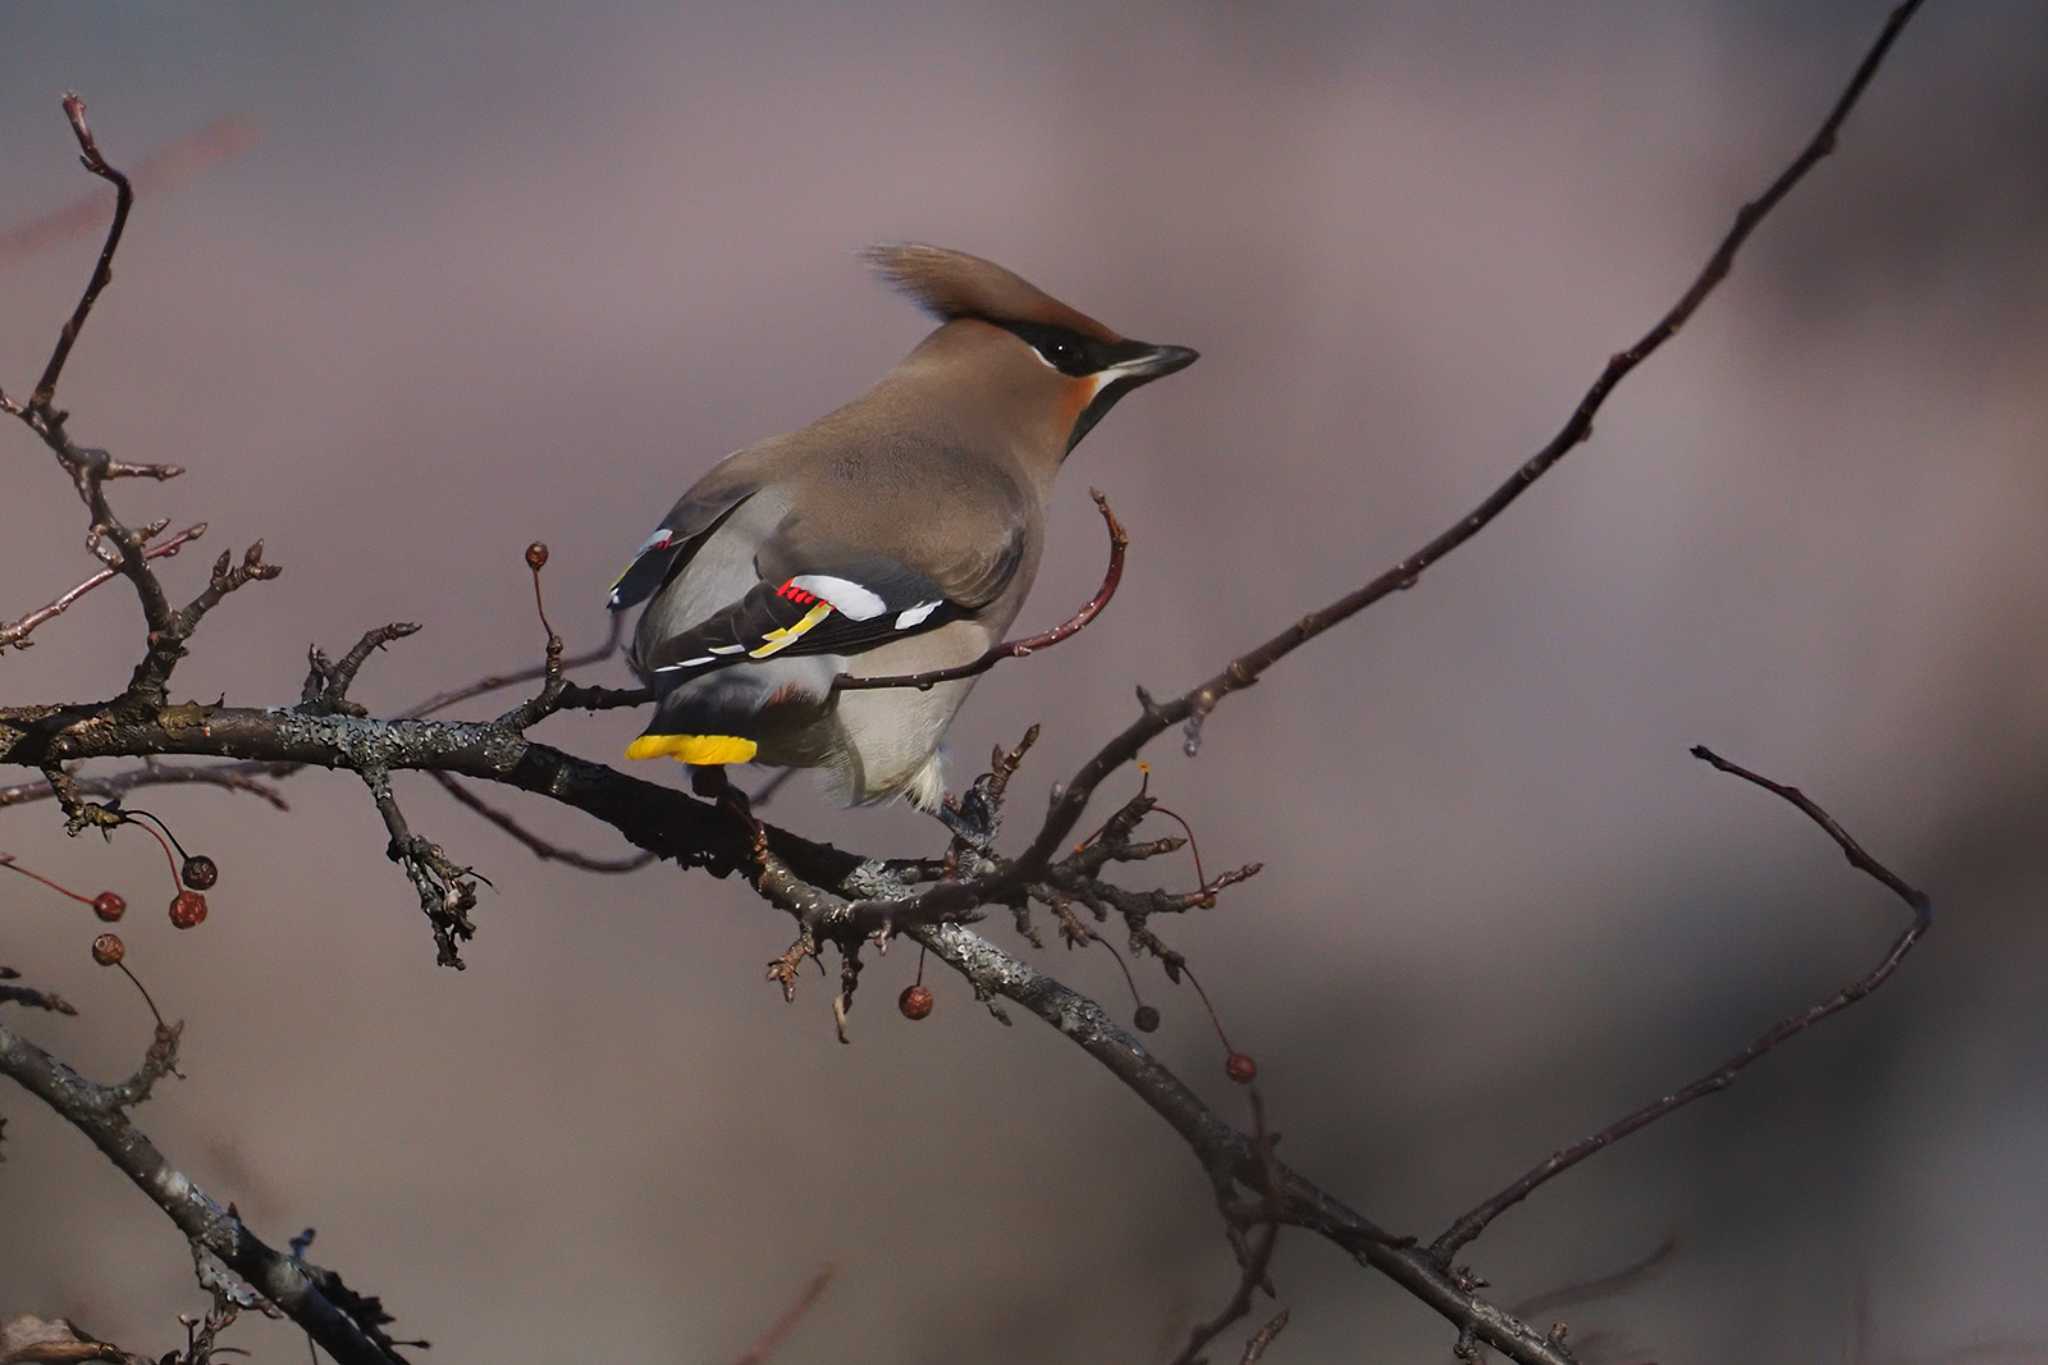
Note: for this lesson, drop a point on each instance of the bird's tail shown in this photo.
(728, 716)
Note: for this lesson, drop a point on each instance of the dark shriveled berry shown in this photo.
(1146, 1019)
(915, 1002)
(109, 906)
(108, 949)
(188, 909)
(199, 872)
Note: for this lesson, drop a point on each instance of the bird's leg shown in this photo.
(711, 783)
(970, 817)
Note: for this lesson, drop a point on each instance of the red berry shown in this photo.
(108, 949)
(915, 1002)
(200, 872)
(1242, 1068)
(109, 906)
(537, 556)
(188, 909)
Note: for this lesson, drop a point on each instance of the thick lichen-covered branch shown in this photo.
(348, 1326)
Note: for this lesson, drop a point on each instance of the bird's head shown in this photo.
(1055, 362)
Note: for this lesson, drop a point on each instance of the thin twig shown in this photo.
(103, 270)
(1629, 1277)
(779, 1330)
(17, 633)
(1255, 1349)
(1193, 706)
(1256, 1256)
(1470, 1224)
(496, 682)
(1017, 649)
(541, 848)
(239, 777)
(1223, 1150)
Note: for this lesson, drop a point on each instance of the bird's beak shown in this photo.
(1133, 363)
(1141, 362)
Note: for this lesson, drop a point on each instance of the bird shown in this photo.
(897, 534)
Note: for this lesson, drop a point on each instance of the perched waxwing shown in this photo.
(896, 535)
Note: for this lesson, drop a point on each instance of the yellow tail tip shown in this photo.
(703, 751)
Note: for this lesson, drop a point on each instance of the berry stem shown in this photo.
(7, 861)
(1223, 1037)
(145, 992)
(177, 882)
(1201, 878)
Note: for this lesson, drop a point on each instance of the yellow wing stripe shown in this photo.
(704, 751)
(782, 637)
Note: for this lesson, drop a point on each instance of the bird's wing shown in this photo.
(822, 599)
(695, 516)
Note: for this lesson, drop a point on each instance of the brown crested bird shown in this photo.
(896, 535)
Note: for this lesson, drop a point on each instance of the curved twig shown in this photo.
(103, 270)
(17, 633)
(1470, 1224)
(1017, 649)
(1194, 705)
(497, 682)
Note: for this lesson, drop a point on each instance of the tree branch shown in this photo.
(314, 1298)
(1193, 706)
(17, 633)
(103, 271)
(823, 885)
(236, 777)
(540, 848)
(1227, 1153)
(1470, 1224)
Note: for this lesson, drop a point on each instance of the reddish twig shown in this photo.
(779, 1330)
(17, 633)
(1474, 1222)
(1119, 541)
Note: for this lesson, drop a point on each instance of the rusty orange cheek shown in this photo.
(1076, 399)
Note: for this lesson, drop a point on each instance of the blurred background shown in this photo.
(452, 278)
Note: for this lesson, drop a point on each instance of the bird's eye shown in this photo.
(1066, 356)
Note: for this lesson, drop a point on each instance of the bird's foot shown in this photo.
(711, 783)
(971, 817)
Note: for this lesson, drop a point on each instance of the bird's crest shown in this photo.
(952, 284)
